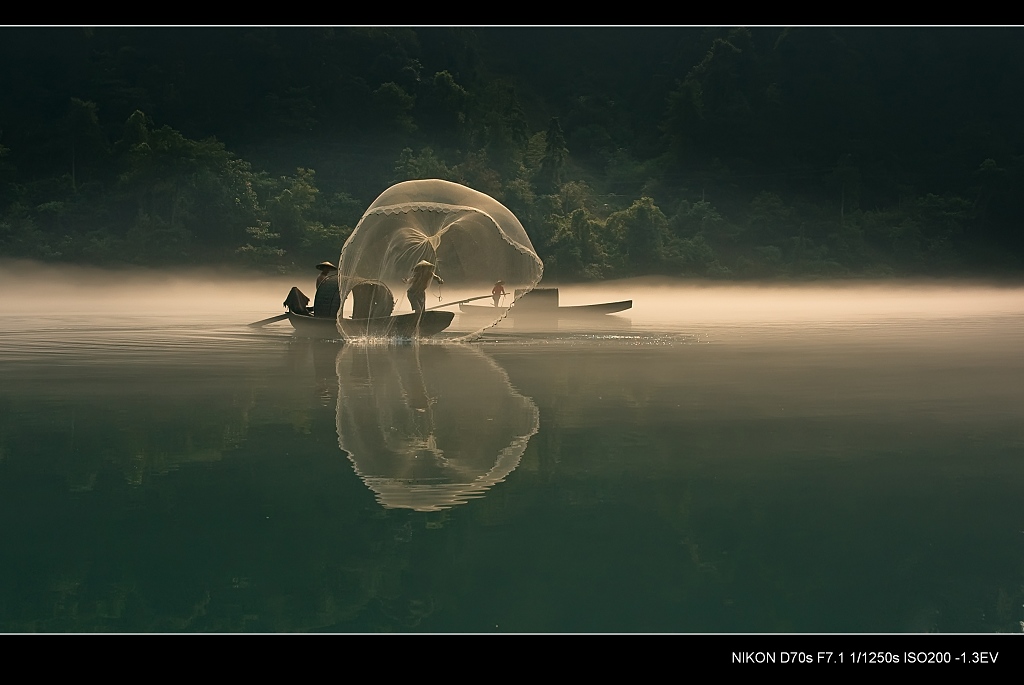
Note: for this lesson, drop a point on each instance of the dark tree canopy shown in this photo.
(718, 152)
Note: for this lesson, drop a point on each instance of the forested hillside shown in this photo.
(719, 152)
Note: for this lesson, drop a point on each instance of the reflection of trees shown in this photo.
(136, 429)
(429, 426)
(253, 523)
(190, 494)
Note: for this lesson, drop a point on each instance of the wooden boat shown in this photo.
(573, 311)
(371, 314)
(410, 325)
(543, 302)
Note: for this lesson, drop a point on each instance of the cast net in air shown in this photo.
(450, 247)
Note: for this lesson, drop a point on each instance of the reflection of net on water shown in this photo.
(428, 427)
(472, 241)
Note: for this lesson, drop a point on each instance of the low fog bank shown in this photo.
(715, 302)
(32, 286)
(237, 294)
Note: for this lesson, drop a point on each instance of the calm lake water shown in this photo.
(828, 458)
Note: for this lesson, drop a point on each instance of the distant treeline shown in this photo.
(726, 153)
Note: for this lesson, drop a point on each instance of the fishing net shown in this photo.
(468, 245)
(428, 427)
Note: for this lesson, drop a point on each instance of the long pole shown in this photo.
(263, 322)
(449, 304)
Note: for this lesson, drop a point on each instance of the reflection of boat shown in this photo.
(401, 326)
(372, 304)
(428, 427)
(543, 302)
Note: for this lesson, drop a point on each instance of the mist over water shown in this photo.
(658, 305)
(821, 457)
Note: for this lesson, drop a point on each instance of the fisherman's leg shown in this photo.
(417, 300)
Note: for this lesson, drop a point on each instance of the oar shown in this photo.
(279, 317)
(449, 304)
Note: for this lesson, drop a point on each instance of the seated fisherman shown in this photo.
(326, 269)
(297, 301)
(327, 300)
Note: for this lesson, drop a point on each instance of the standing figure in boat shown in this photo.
(498, 292)
(422, 274)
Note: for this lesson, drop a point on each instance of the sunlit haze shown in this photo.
(657, 304)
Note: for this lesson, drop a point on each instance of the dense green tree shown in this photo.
(552, 164)
(392, 109)
(291, 211)
(595, 128)
(261, 248)
(424, 165)
(847, 180)
(501, 126)
(725, 106)
(7, 175)
(195, 187)
(826, 150)
(699, 217)
(642, 233)
(476, 171)
(443, 109)
(694, 256)
(771, 221)
(87, 143)
(576, 250)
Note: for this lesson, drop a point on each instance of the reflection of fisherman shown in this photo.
(498, 291)
(422, 274)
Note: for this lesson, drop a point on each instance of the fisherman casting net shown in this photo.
(422, 248)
